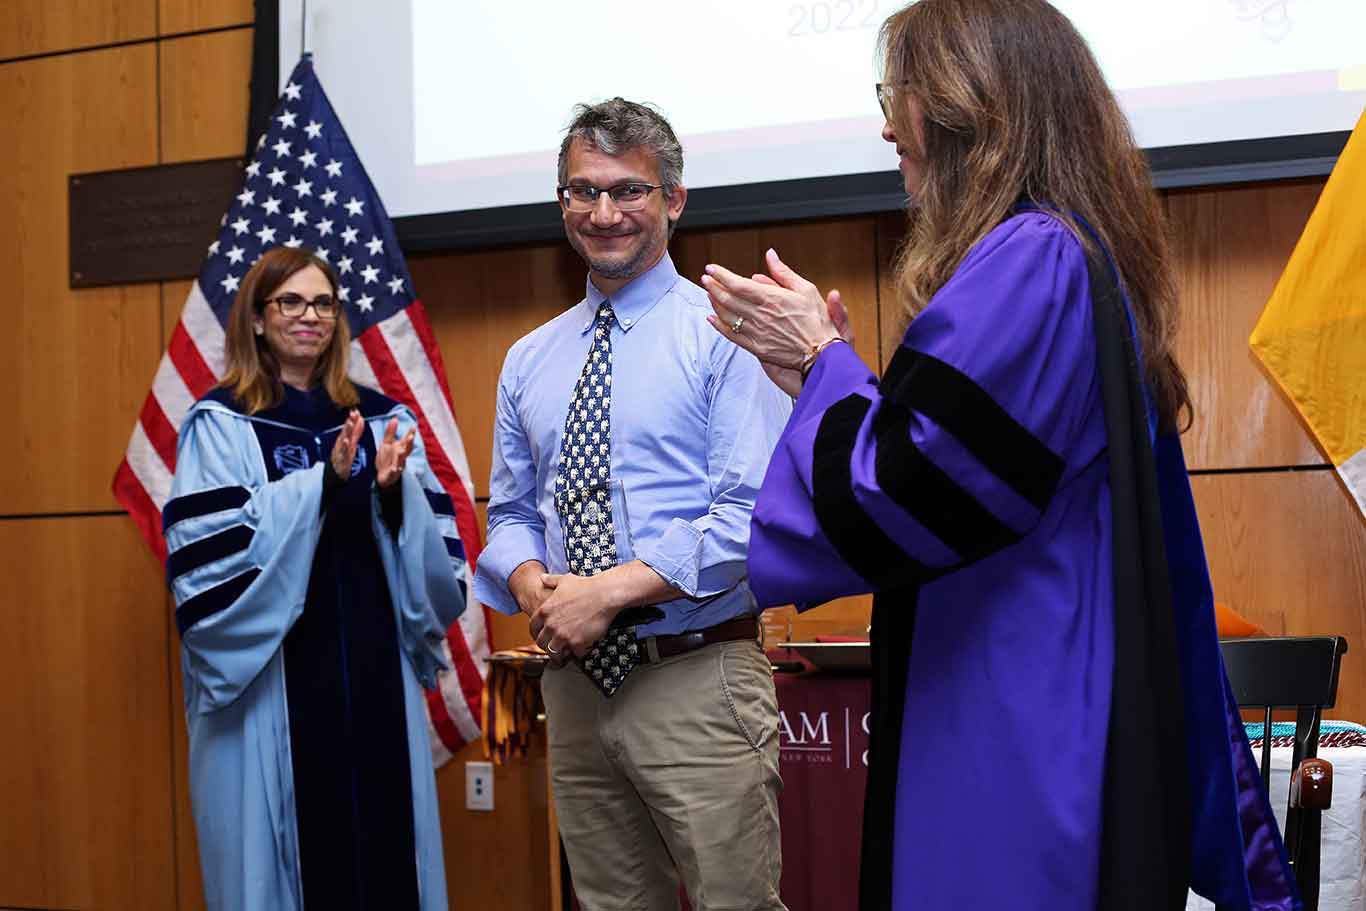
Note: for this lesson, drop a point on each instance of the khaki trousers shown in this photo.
(676, 774)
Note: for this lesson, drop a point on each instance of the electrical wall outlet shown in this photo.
(479, 786)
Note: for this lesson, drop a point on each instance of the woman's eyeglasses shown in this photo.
(886, 91)
(293, 306)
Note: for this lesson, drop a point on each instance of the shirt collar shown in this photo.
(635, 298)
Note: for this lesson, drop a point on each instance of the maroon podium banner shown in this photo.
(823, 755)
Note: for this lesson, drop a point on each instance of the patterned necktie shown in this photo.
(583, 498)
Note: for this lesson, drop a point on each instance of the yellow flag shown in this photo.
(1312, 335)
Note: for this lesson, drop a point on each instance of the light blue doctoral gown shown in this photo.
(241, 550)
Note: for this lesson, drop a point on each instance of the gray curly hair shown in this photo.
(616, 126)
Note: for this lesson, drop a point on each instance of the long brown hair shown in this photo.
(1015, 107)
(253, 372)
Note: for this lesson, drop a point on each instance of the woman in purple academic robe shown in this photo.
(1052, 727)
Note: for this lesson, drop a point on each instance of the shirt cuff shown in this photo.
(676, 556)
(507, 549)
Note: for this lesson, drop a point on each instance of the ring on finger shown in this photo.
(735, 326)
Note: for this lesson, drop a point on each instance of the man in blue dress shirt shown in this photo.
(630, 442)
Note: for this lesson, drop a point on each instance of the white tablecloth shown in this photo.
(1342, 885)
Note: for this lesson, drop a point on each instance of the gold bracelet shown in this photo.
(809, 360)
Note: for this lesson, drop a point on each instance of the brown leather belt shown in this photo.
(657, 648)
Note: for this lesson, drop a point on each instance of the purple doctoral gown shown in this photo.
(970, 489)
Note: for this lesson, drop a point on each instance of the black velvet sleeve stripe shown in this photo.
(332, 482)
(391, 508)
(934, 499)
(206, 550)
(203, 503)
(953, 400)
(853, 533)
(441, 503)
(454, 547)
(212, 600)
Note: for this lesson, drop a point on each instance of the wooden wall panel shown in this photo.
(509, 631)
(478, 305)
(86, 771)
(202, 114)
(499, 859)
(204, 95)
(1231, 246)
(173, 297)
(42, 26)
(76, 364)
(1288, 551)
(833, 254)
(891, 228)
(177, 16)
(189, 882)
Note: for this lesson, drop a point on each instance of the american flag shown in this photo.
(306, 187)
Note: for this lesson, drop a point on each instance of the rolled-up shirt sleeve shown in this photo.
(516, 532)
(706, 556)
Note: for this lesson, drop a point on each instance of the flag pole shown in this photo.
(303, 28)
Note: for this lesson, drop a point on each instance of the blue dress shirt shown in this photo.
(694, 421)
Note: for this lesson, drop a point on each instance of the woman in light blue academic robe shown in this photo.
(314, 561)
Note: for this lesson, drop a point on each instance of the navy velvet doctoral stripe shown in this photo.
(926, 492)
(223, 396)
(212, 600)
(441, 503)
(345, 687)
(890, 639)
(372, 403)
(454, 548)
(849, 529)
(953, 400)
(203, 503)
(348, 729)
(206, 550)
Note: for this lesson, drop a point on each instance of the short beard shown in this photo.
(612, 270)
(628, 269)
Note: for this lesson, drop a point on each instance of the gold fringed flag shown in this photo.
(513, 710)
(1312, 335)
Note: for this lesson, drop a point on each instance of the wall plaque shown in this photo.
(147, 224)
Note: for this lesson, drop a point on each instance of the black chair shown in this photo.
(1299, 673)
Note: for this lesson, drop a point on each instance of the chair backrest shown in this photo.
(1286, 672)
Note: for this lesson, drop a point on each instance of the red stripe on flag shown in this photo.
(441, 720)
(417, 315)
(395, 385)
(132, 497)
(471, 683)
(466, 519)
(159, 431)
(189, 363)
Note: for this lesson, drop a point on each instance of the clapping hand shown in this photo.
(778, 319)
(344, 450)
(393, 454)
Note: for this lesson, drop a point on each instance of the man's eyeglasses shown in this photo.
(628, 197)
(294, 305)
